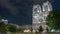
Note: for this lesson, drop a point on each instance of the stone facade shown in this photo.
(40, 13)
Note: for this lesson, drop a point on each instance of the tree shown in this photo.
(11, 28)
(20, 30)
(53, 19)
(40, 29)
(3, 28)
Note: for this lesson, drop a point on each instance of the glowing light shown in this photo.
(27, 30)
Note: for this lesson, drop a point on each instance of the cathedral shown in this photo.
(40, 13)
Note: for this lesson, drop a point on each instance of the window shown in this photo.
(46, 8)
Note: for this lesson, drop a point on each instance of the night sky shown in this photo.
(20, 11)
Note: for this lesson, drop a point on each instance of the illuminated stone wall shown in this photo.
(39, 15)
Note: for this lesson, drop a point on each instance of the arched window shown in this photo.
(46, 8)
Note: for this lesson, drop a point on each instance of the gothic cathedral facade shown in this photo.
(39, 15)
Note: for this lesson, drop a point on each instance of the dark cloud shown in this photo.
(20, 11)
(15, 5)
(9, 4)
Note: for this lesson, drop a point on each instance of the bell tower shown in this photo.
(47, 6)
(36, 12)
